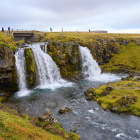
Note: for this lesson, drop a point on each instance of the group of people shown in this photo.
(8, 29)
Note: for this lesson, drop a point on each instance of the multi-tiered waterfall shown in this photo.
(47, 71)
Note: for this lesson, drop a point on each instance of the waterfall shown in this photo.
(20, 67)
(47, 71)
(46, 68)
(90, 67)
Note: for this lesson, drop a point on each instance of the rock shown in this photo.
(63, 110)
(109, 88)
(123, 78)
(105, 92)
(113, 96)
(130, 84)
(137, 42)
(124, 102)
(90, 94)
(48, 116)
(7, 67)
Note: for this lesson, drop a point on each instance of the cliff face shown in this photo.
(67, 57)
(7, 67)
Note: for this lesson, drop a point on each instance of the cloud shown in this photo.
(111, 15)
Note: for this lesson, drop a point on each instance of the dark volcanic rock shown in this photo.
(7, 67)
(105, 92)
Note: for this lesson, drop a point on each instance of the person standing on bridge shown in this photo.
(2, 29)
(9, 29)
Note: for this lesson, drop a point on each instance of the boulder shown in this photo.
(63, 110)
(105, 92)
(48, 116)
(109, 87)
(90, 94)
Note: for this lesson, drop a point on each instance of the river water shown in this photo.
(87, 117)
(89, 120)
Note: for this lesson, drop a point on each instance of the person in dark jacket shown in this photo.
(2, 29)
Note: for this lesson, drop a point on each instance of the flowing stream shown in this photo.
(89, 120)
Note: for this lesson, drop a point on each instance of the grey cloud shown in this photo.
(71, 14)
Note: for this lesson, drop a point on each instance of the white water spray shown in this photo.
(90, 67)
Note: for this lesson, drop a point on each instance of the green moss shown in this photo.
(74, 136)
(30, 66)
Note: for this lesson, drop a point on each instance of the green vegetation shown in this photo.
(8, 41)
(86, 36)
(128, 57)
(14, 127)
(123, 89)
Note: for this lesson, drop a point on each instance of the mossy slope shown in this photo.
(128, 58)
(13, 126)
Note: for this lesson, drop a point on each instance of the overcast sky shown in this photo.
(72, 15)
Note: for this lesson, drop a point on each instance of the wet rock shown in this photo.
(90, 94)
(73, 130)
(125, 79)
(48, 116)
(105, 92)
(109, 88)
(63, 110)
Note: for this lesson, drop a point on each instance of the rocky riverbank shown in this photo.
(123, 96)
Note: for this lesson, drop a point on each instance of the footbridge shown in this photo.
(25, 34)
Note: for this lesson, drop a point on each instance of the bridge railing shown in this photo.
(22, 30)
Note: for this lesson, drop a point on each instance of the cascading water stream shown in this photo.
(90, 67)
(46, 68)
(20, 66)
